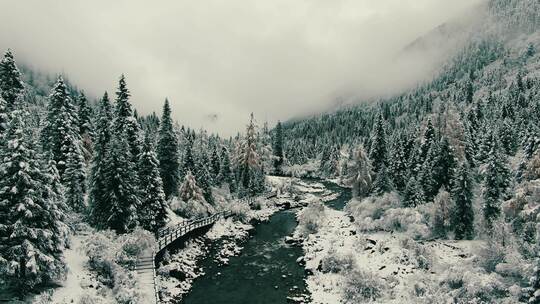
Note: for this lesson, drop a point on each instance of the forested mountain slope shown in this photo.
(456, 158)
(486, 69)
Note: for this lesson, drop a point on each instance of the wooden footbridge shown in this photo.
(146, 265)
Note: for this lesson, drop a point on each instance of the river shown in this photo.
(266, 272)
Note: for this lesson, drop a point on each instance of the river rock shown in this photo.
(291, 240)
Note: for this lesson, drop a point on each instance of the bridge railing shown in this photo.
(167, 235)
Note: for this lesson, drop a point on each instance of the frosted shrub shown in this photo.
(133, 245)
(335, 262)
(474, 285)
(405, 219)
(260, 204)
(280, 184)
(100, 250)
(480, 286)
(361, 286)
(415, 253)
(311, 218)
(191, 208)
(240, 210)
(503, 252)
(88, 298)
(453, 277)
(125, 289)
(112, 256)
(309, 169)
(369, 211)
(43, 298)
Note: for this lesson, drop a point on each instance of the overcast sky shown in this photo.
(276, 58)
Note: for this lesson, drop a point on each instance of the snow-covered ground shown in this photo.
(396, 259)
(78, 277)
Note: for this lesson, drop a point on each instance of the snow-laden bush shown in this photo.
(378, 213)
(88, 298)
(416, 254)
(503, 252)
(361, 286)
(240, 211)
(260, 203)
(335, 262)
(309, 169)
(280, 184)
(474, 285)
(133, 245)
(43, 298)
(440, 214)
(311, 218)
(113, 256)
(405, 219)
(368, 211)
(484, 287)
(191, 208)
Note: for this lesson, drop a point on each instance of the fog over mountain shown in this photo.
(218, 61)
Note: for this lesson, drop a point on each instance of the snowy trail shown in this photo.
(77, 274)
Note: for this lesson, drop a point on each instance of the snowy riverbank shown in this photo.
(180, 269)
(401, 266)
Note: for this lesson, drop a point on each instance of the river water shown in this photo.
(266, 272)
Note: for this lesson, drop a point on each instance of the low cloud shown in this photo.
(217, 60)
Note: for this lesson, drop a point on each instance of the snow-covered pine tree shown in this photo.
(125, 121)
(496, 181)
(266, 151)
(470, 146)
(202, 175)
(445, 165)
(152, 212)
(361, 174)
(189, 189)
(324, 158)
(188, 163)
(507, 137)
(398, 165)
(225, 173)
(428, 140)
(382, 183)
(215, 163)
(278, 149)
(486, 144)
(99, 206)
(11, 84)
(463, 214)
(414, 194)
(86, 127)
(377, 152)
(55, 183)
(61, 129)
(32, 233)
(4, 116)
(121, 188)
(427, 173)
(249, 160)
(167, 153)
(75, 179)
